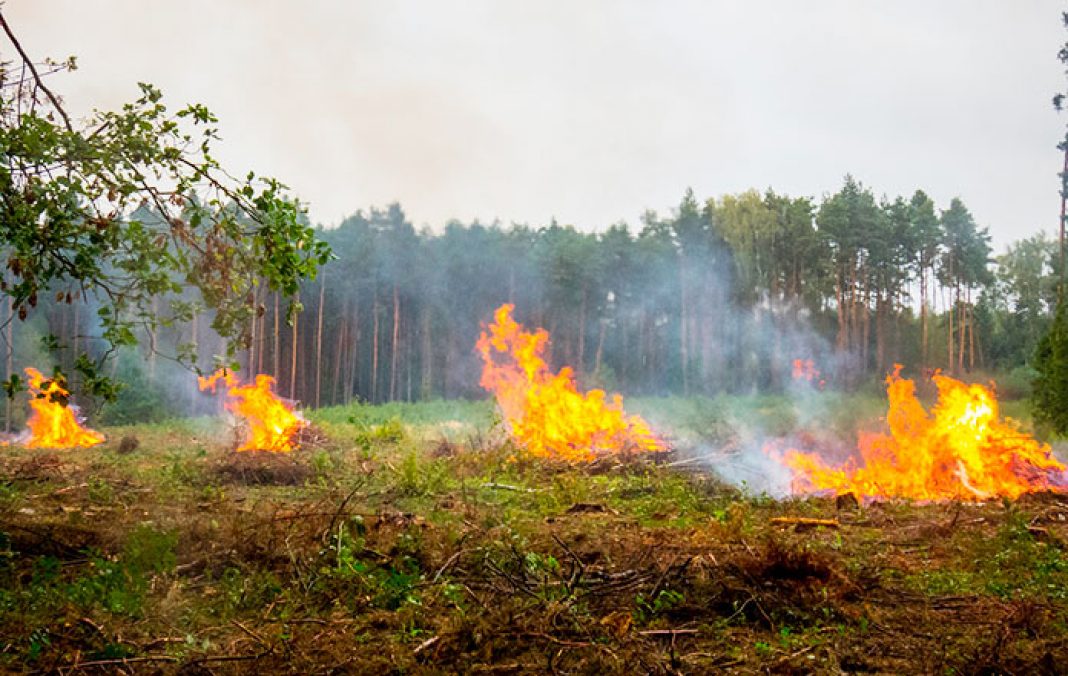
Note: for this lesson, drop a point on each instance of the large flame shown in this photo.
(53, 421)
(272, 424)
(960, 450)
(547, 415)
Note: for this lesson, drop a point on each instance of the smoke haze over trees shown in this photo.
(718, 296)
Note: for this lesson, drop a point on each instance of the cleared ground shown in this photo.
(431, 545)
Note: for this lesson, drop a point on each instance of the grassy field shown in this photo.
(416, 539)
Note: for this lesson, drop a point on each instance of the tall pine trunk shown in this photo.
(293, 354)
(374, 351)
(276, 351)
(9, 365)
(319, 344)
(394, 352)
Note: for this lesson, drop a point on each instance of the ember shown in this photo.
(54, 421)
(272, 422)
(960, 450)
(547, 415)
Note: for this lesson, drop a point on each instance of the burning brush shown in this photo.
(54, 420)
(272, 423)
(546, 413)
(960, 450)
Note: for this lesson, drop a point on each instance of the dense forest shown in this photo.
(718, 296)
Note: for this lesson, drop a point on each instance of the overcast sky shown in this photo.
(592, 111)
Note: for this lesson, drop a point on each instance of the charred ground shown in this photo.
(428, 548)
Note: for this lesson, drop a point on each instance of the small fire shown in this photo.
(272, 423)
(547, 415)
(805, 371)
(960, 450)
(53, 421)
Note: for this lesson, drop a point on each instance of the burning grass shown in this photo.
(420, 555)
(546, 414)
(271, 423)
(961, 450)
(53, 421)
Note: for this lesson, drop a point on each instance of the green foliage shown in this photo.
(136, 207)
(1050, 388)
(346, 568)
(646, 609)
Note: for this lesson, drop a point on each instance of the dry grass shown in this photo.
(415, 555)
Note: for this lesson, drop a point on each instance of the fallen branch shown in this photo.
(123, 661)
(426, 644)
(507, 487)
(668, 632)
(804, 521)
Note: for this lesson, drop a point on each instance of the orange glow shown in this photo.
(959, 450)
(272, 423)
(547, 415)
(805, 370)
(53, 421)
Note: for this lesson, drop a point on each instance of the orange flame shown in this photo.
(272, 423)
(53, 421)
(805, 370)
(546, 413)
(960, 450)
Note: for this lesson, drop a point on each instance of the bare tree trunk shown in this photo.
(338, 347)
(842, 342)
(353, 340)
(319, 345)
(684, 357)
(1064, 199)
(408, 363)
(374, 351)
(961, 325)
(880, 333)
(396, 341)
(195, 348)
(971, 333)
(600, 346)
(75, 331)
(293, 354)
(427, 385)
(10, 360)
(276, 352)
(251, 363)
(949, 328)
(581, 365)
(152, 342)
(924, 353)
(261, 317)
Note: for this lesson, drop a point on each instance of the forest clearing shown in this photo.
(426, 537)
(390, 547)
(790, 422)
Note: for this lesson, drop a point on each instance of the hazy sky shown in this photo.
(592, 111)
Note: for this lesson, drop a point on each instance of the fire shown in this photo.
(53, 421)
(547, 415)
(961, 449)
(804, 370)
(272, 423)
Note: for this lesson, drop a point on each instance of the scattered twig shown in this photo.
(448, 564)
(122, 661)
(684, 461)
(259, 639)
(804, 521)
(506, 487)
(426, 644)
(668, 632)
(229, 658)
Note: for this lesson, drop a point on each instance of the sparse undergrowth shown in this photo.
(395, 548)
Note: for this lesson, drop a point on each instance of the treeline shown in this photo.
(718, 296)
